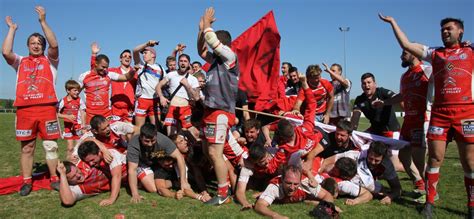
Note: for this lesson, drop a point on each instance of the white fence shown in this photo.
(397, 114)
(7, 110)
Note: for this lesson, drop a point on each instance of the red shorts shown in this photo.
(388, 134)
(147, 107)
(70, 132)
(233, 152)
(122, 114)
(414, 131)
(175, 113)
(453, 121)
(216, 125)
(34, 120)
(105, 113)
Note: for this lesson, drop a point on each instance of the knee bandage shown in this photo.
(50, 149)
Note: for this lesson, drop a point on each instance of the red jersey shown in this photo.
(97, 89)
(95, 181)
(71, 107)
(306, 138)
(123, 93)
(282, 82)
(452, 73)
(35, 81)
(320, 93)
(274, 192)
(414, 90)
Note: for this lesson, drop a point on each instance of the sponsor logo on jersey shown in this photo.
(450, 81)
(449, 66)
(308, 145)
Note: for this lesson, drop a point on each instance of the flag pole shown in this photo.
(261, 113)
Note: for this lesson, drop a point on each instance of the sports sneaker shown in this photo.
(422, 199)
(428, 211)
(54, 185)
(470, 213)
(25, 189)
(219, 200)
(419, 191)
(420, 187)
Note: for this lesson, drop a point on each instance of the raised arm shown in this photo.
(139, 48)
(178, 50)
(65, 194)
(53, 49)
(330, 104)
(413, 48)
(7, 47)
(201, 44)
(219, 48)
(95, 49)
(336, 76)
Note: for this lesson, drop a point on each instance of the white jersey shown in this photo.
(147, 80)
(174, 80)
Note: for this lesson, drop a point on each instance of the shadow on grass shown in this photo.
(40, 167)
(408, 201)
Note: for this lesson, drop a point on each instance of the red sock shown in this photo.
(432, 178)
(222, 189)
(54, 179)
(420, 185)
(27, 180)
(469, 184)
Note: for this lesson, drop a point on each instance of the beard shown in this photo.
(405, 64)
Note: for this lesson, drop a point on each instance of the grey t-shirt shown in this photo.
(136, 154)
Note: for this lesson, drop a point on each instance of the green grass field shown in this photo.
(46, 204)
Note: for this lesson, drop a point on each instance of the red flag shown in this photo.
(258, 52)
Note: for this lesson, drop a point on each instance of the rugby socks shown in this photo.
(222, 189)
(420, 185)
(432, 178)
(27, 180)
(469, 184)
(54, 179)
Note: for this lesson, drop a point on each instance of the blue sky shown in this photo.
(309, 30)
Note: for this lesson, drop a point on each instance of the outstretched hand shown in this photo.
(41, 13)
(95, 48)
(10, 23)
(60, 168)
(208, 18)
(387, 19)
(326, 67)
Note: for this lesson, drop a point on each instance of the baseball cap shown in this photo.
(151, 49)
